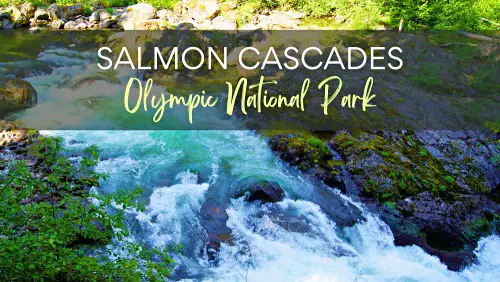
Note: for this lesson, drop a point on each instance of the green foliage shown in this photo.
(479, 227)
(53, 228)
(390, 205)
(168, 4)
(449, 179)
(442, 14)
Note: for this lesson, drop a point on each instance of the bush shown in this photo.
(52, 227)
(167, 4)
(443, 14)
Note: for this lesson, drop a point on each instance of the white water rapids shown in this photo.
(177, 168)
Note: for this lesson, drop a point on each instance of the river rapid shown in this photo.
(181, 170)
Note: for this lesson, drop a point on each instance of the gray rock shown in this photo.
(72, 11)
(434, 151)
(57, 24)
(264, 191)
(54, 11)
(41, 14)
(108, 23)
(28, 10)
(104, 15)
(71, 25)
(94, 17)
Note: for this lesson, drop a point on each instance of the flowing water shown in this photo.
(181, 170)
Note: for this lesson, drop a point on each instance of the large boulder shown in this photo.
(135, 15)
(16, 94)
(28, 10)
(41, 15)
(72, 11)
(94, 17)
(15, 16)
(5, 20)
(55, 12)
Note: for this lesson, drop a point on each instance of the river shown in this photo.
(181, 170)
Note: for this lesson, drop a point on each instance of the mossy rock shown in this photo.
(16, 94)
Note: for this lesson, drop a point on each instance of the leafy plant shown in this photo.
(53, 227)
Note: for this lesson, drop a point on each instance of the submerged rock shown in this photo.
(264, 191)
(23, 69)
(213, 219)
(16, 94)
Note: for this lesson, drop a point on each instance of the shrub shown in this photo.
(52, 227)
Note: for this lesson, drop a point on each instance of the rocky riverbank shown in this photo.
(204, 15)
(435, 189)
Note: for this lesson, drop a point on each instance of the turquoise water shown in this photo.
(182, 170)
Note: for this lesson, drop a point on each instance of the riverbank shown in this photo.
(249, 15)
(55, 225)
(435, 189)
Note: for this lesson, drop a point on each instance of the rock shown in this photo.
(136, 14)
(221, 23)
(55, 12)
(81, 25)
(108, 23)
(164, 14)
(278, 20)
(94, 17)
(71, 11)
(201, 10)
(23, 69)
(71, 25)
(213, 219)
(228, 5)
(57, 24)
(96, 6)
(16, 94)
(264, 191)
(5, 22)
(28, 10)
(185, 26)
(295, 14)
(104, 15)
(154, 24)
(41, 15)
(16, 16)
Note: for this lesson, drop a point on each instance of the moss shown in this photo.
(449, 179)
(476, 184)
(334, 163)
(390, 205)
(407, 168)
(479, 227)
